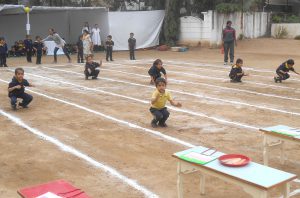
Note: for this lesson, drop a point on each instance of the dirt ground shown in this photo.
(197, 78)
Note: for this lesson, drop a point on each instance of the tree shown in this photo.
(172, 22)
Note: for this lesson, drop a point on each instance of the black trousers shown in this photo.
(282, 76)
(109, 53)
(94, 73)
(131, 53)
(65, 52)
(26, 99)
(160, 115)
(80, 56)
(39, 57)
(29, 55)
(229, 48)
(236, 77)
(2, 60)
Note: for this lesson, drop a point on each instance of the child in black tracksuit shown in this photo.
(3, 52)
(91, 68)
(16, 89)
(283, 70)
(38, 46)
(156, 70)
(28, 48)
(131, 46)
(109, 47)
(80, 50)
(236, 72)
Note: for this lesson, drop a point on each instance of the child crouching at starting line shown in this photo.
(283, 70)
(158, 103)
(92, 68)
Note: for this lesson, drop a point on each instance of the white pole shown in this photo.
(28, 24)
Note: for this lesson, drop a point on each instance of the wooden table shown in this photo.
(274, 139)
(255, 179)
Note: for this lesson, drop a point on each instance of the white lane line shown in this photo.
(123, 122)
(233, 103)
(212, 78)
(178, 81)
(219, 120)
(79, 154)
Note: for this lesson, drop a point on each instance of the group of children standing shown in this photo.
(109, 44)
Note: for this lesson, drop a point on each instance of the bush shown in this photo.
(280, 18)
(280, 32)
(277, 19)
(227, 8)
(297, 37)
(293, 19)
(241, 37)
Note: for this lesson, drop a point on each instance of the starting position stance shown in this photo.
(155, 71)
(283, 70)
(158, 103)
(91, 68)
(16, 89)
(236, 72)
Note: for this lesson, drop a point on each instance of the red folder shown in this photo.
(60, 188)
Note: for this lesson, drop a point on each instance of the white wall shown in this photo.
(194, 30)
(293, 29)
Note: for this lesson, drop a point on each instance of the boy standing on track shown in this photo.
(283, 70)
(158, 104)
(155, 71)
(131, 46)
(3, 52)
(16, 89)
(91, 68)
(38, 46)
(109, 47)
(236, 72)
(28, 48)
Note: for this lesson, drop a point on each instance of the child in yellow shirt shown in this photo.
(158, 103)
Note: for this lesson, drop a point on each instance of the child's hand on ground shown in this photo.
(178, 104)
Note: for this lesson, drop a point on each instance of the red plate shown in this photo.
(234, 160)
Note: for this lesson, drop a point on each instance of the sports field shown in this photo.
(97, 133)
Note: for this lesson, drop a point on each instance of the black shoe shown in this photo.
(111, 60)
(5, 65)
(107, 60)
(94, 77)
(162, 125)
(14, 107)
(86, 77)
(154, 123)
(21, 105)
(275, 79)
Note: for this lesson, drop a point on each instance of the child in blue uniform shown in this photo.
(236, 72)
(91, 68)
(283, 70)
(3, 52)
(38, 46)
(156, 70)
(28, 48)
(16, 89)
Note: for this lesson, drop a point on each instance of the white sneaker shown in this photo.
(225, 63)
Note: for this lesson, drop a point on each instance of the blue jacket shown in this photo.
(28, 44)
(3, 49)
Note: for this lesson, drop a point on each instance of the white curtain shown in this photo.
(146, 26)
